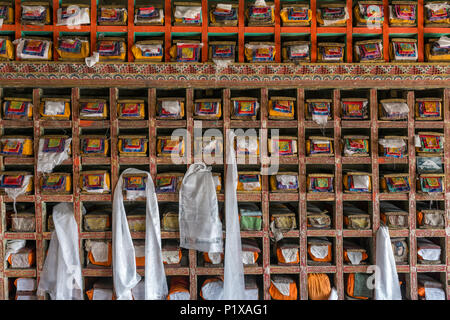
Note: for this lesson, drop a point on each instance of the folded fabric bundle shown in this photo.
(23, 257)
(250, 217)
(295, 14)
(428, 109)
(170, 108)
(317, 218)
(56, 183)
(354, 254)
(369, 51)
(319, 251)
(281, 108)
(402, 13)
(73, 48)
(131, 109)
(23, 222)
(112, 15)
(319, 287)
(296, 51)
(6, 12)
(134, 185)
(112, 49)
(438, 49)
(95, 182)
(16, 182)
(207, 109)
(429, 289)
(25, 289)
(249, 181)
(428, 218)
(73, 15)
(210, 148)
(224, 14)
(133, 145)
(168, 182)
(395, 182)
(284, 182)
(246, 146)
(355, 109)
(35, 13)
(149, 14)
(283, 288)
(16, 146)
(17, 108)
(101, 290)
(187, 13)
(356, 146)
(95, 145)
(357, 182)
(148, 50)
(430, 183)
(6, 47)
(136, 220)
(179, 289)
(55, 108)
(222, 52)
(282, 217)
(99, 252)
(213, 259)
(332, 15)
(393, 109)
(33, 48)
(97, 221)
(256, 52)
(244, 108)
(393, 146)
(93, 109)
(369, 13)
(392, 216)
(403, 49)
(400, 250)
(250, 252)
(212, 289)
(319, 146)
(428, 252)
(186, 51)
(429, 143)
(318, 110)
(320, 182)
(355, 218)
(437, 13)
(287, 252)
(282, 146)
(260, 14)
(167, 146)
(356, 287)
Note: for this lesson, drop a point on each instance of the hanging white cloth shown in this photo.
(234, 282)
(387, 286)
(124, 258)
(200, 226)
(61, 274)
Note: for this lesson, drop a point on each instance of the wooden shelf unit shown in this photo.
(263, 272)
(242, 31)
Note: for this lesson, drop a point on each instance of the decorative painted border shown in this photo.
(235, 72)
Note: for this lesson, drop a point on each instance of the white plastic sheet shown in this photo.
(124, 259)
(26, 284)
(434, 293)
(333, 294)
(200, 226)
(289, 254)
(354, 257)
(387, 286)
(172, 107)
(234, 283)
(53, 108)
(319, 252)
(61, 274)
(213, 290)
(396, 108)
(47, 161)
(187, 12)
(444, 42)
(392, 143)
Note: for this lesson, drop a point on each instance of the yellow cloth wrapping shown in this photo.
(9, 53)
(282, 115)
(10, 19)
(84, 53)
(27, 146)
(166, 147)
(124, 108)
(67, 186)
(251, 187)
(435, 58)
(249, 54)
(137, 53)
(134, 140)
(254, 23)
(337, 23)
(346, 186)
(91, 179)
(319, 287)
(442, 10)
(120, 57)
(284, 14)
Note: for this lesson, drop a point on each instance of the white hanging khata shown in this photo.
(61, 274)
(124, 256)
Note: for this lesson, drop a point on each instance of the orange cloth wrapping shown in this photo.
(277, 295)
(326, 259)
(346, 259)
(178, 284)
(105, 263)
(208, 260)
(281, 259)
(31, 258)
(319, 287)
(351, 286)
